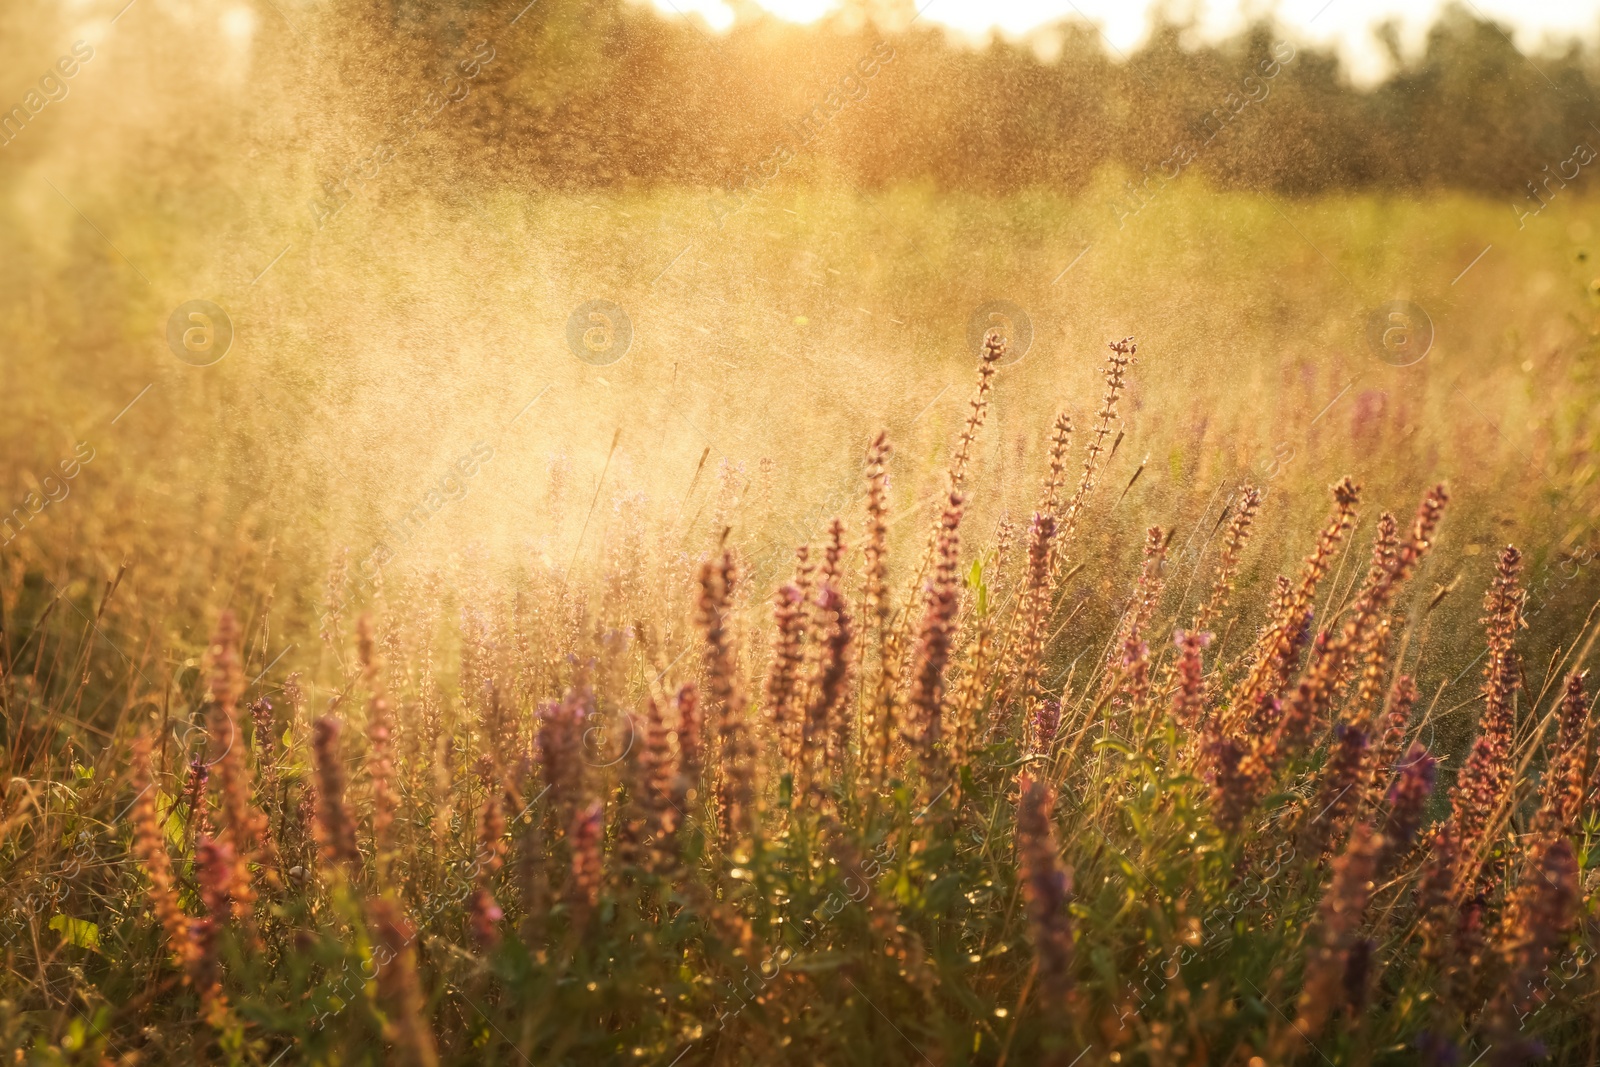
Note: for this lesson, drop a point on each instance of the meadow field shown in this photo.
(598, 543)
(454, 619)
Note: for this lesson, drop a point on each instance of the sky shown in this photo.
(1344, 24)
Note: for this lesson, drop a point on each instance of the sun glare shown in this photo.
(799, 10)
(1346, 26)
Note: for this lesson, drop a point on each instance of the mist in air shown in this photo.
(640, 532)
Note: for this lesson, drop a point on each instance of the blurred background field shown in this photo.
(419, 325)
(603, 152)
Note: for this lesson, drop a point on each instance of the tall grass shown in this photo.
(924, 815)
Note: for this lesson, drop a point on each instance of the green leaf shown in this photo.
(173, 826)
(72, 1041)
(79, 932)
(980, 590)
(1137, 821)
(1115, 745)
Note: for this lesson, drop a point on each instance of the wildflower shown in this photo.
(826, 729)
(1020, 672)
(1229, 771)
(1329, 969)
(1046, 722)
(691, 741)
(584, 888)
(197, 822)
(658, 799)
(1385, 549)
(399, 985)
(994, 349)
(1288, 630)
(1361, 633)
(244, 825)
(1374, 660)
(1436, 894)
(561, 732)
(876, 613)
(1486, 775)
(335, 827)
(934, 635)
(1061, 436)
(214, 867)
(788, 654)
(1048, 889)
(1390, 732)
(380, 763)
(1338, 796)
(737, 794)
(1540, 914)
(1129, 676)
(1310, 696)
(483, 909)
(1407, 799)
(1189, 700)
(1394, 561)
(261, 736)
(1561, 795)
(1115, 374)
(150, 846)
(832, 555)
